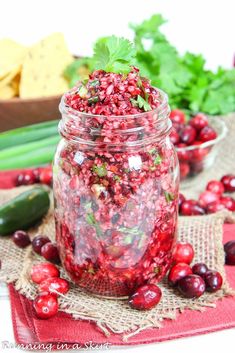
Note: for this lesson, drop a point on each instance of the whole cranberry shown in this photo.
(177, 126)
(36, 173)
(228, 182)
(145, 297)
(43, 271)
(191, 208)
(174, 136)
(214, 207)
(50, 252)
(191, 286)
(199, 269)
(25, 178)
(181, 199)
(21, 239)
(228, 203)
(38, 242)
(183, 154)
(229, 249)
(177, 116)
(184, 170)
(183, 252)
(54, 284)
(207, 134)
(199, 153)
(177, 272)
(188, 135)
(213, 280)
(216, 187)
(207, 197)
(45, 305)
(45, 176)
(199, 121)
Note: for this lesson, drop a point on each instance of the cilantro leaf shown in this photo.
(100, 170)
(114, 54)
(78, 70)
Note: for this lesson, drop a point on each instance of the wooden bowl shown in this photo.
(16, 112)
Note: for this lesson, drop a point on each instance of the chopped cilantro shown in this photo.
(90, 219)
(168, 196)
(157, 160)
(100, 170)
(92, 100)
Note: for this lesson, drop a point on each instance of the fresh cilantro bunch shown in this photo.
(114, 54)
(184, 78)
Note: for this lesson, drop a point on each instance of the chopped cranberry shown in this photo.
(145, 297)
(229, 249)
(214, 207)
(199, 121)
(174, 137)
(178, 271)
(184, 170)
(183, 252)
(191, 208)
(50, 252)
(26, 178)
(21, 239)
(45, 305)
(38, 242)
(45, 176)
(207, 134)
(207, 197)
(177, 116)
(54, 284)
(188, 135)
(213, 280)
(199, 269)
(228, 203)
(191, 286)
(228, 182)
(43, 271)
(216, 187)
(181, 199)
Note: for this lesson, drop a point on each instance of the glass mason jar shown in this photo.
(116, 184)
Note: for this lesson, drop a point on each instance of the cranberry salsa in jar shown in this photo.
(116, 181)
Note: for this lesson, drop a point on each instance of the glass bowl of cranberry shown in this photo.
(197, 142)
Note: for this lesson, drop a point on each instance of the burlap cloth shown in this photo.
(203, 232)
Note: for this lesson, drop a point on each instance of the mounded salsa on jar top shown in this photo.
(115, 183)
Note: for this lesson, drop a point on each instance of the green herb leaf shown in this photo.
(142, 103)
(90, 219)
(168, 196)
(100, 170)
(113, 54)
(92, 100)
(157, 160)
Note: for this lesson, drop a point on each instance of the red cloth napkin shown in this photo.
(62, 328)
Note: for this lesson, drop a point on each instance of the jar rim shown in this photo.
(65, 109)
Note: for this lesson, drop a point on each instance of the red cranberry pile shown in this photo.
(41, 175)
(193, 133)
(193, 281)
(47, 276)
(41, 245)
(212, 199)
(116, 201)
